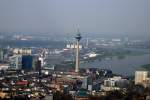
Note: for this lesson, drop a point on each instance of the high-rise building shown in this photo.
(140, 76)
(78, 38)
(42, 61)
(15, 62)
(87, 83)
(1, 55)
(38, 65)
(27, 62)
(34, 62)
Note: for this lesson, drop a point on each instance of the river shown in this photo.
(126, 66)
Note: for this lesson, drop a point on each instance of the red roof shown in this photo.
(22, 83)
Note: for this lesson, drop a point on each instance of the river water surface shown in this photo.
(126, 66)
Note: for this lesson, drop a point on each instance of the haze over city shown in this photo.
(55, 16)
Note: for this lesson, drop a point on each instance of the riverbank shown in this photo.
(146, 67)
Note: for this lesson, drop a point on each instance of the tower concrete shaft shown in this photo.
(77, 58)
(78, 38)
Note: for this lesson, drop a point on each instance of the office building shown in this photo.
(42, 61)
(146, 83)
(1, 55)
(27, 62)
(15, 62)
(115, 83)
(35, 59)
(38, 65)
(87, 83)
(140, 76)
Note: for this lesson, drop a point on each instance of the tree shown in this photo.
(60, 96)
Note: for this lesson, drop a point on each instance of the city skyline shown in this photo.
(44, 55)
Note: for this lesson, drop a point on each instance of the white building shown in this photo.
(42, 61)
(4, 66)
(15, 62)
(73, 46)
(87, 83)
(140, 76)
(22, 51)
(111, 81)
(115, 83)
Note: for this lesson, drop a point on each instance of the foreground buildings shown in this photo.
(114, 83)
(141, 78)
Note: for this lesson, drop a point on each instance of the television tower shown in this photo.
(78, 38)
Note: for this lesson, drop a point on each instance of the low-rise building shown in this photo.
(22, 51)
(115, 83)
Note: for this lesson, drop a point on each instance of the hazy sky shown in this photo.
(62, 16)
